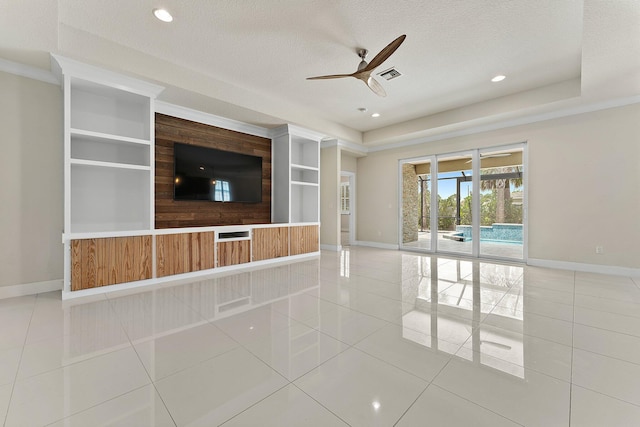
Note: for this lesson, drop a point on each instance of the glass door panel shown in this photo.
(454, 184)
(441, 212)
(416, 205)
(502, 203)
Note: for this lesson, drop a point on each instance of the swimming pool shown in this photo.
(496, 233)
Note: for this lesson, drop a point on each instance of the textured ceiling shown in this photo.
(249, 59)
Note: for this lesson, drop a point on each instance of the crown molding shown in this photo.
(61, 65)
(210, 119)
(503, 124)
(298, 131)
(352, 147)
(140, 86)
(28, 71)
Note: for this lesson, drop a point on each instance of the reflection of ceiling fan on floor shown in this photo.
(364, 70)
(491, 156)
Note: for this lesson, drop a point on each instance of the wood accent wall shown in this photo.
(183, 253)
(108, 261)
(304, 239)
(234, 252)
(170, 213)
(268, 243)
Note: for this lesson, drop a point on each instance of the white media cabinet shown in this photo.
(109, 169)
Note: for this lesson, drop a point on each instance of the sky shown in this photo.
(447, 187)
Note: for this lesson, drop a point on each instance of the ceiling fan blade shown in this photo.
(385, 53)
(488, 156)
(491, 156)
(376, 87)
(331, 76)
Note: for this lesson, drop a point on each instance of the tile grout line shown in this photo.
(15, 378)
(289, 382)
(573, 331)
(319, 403)
(626, 402)
(429, 383)
(95, 406)
(113, 310)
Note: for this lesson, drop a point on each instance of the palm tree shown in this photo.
(501, 186)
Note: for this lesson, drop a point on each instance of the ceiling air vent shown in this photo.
(389, 74)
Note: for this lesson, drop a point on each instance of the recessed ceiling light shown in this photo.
(374, 115)
(163, 15)
(498, 78)
(362, 109)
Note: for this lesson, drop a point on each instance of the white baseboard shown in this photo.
(376, 245)
(333, 248)
(587, 268)
(30, 288)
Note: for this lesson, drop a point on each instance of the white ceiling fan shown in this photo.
(364, 70)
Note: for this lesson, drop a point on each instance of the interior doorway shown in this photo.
(347, 208)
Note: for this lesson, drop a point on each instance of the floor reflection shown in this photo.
(334, 335)
(453, 297)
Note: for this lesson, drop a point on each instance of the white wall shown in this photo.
(348, 163)
(31, 173)
(329, 196)
(584, 186)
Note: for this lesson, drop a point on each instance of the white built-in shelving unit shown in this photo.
(109, 156)
(109, 180)
(296, 175)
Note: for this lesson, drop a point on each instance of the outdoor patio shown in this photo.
(491, 249)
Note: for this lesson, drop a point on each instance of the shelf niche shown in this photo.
(296, 163)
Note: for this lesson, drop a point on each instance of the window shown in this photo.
(344, 198)
(221, 191)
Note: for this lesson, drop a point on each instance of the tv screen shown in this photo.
(202, 173)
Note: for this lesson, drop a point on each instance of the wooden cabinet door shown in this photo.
(109, 261)
(184, 252)
(234, 252)
(304, 239)
(268, 243)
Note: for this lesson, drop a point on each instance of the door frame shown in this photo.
(352, 207)
(475, 155)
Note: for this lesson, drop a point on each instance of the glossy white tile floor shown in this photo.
(364, 337)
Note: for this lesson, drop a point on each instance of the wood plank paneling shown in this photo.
(234, 252)
(184, 252)
(109, 261)
(183, 213)
(304, 239)
(268, 243)
(207, 250)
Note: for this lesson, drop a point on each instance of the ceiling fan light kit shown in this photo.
(365, 69)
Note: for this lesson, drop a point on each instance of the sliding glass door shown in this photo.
(455, 175)
(416, 196)
(502, 203)
(469, 203)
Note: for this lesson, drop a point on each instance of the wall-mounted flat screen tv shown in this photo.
(202, 173)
